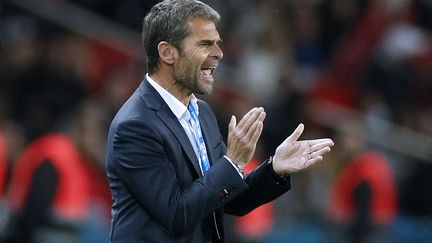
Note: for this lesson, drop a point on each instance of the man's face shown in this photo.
(199, 57)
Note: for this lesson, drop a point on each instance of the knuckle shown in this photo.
(243, 140)
(237, 134)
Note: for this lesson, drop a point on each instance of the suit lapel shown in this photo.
(153, 100)
(178, 131)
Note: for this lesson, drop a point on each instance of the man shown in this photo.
(170, 173)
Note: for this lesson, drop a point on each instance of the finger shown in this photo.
(296, 134)
(318, 141)
(313, 161)
(254, 117)
(256, 133)
(321, 145)
(254, 126)
(320, 152)
(231, 124)
(247, 116)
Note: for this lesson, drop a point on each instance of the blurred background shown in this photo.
(358, 71)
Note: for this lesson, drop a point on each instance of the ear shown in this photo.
(167, 52)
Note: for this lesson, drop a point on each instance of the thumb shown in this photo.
(296, 134)
(232, 123)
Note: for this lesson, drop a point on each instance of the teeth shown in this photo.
(206, 71)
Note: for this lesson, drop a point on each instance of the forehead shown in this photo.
(202, 29)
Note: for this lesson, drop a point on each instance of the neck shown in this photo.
(169, 84)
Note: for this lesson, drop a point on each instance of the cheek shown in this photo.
(197, 56)
(194, 65)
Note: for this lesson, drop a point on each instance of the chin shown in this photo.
(205, 87)
(204, 91)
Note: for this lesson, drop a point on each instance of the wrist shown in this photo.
(239, 164)
(277, 173)
(236, 166)
(239, 167)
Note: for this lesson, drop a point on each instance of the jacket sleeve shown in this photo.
(264, 185)
(141, 163)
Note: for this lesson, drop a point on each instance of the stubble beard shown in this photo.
(190, 79)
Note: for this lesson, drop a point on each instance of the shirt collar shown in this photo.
(176, 106)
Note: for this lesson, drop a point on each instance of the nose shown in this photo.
(217, 52)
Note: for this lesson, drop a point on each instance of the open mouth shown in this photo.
(207, 72)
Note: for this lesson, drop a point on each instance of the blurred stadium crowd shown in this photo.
(358, 71)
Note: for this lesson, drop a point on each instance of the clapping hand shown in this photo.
(243, 137)
(293, 155)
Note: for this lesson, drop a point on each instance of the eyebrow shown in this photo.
(219, 41)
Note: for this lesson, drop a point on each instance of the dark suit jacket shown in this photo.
(158, 192)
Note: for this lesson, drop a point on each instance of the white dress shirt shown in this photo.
(183, 116)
